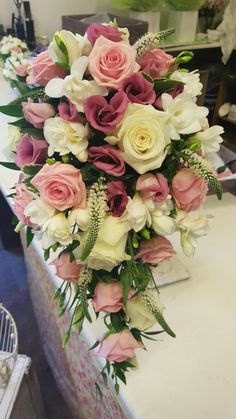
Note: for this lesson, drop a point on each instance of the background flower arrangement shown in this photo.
(111, 146)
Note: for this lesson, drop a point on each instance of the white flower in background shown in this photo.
(139, 316)
(39, 212)
(142, 137)
(210, 139)
(137, 213)
(109, 249)
(64, 137)
(185, 117)
(56, 229)
(13, 138)
(74, 87)
(74, 47)
(161, 221)
(191, 225)
(81, 217)
(192, 84)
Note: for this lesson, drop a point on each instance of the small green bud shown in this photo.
(145, 233)
(65, 159)
(50, 161)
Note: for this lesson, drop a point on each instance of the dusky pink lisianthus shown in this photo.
(138, 89)
(153, 186)
(30, 151)
(108, 31)
(117, 197)
(107, 158)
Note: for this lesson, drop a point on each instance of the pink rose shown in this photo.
(105, 115)
(107, 158)
(21, 70)
(108, 31)
(138, 89)
(68, 112)
(43, 69)
(156, 63)
(174, 92)
(37, 113)
(188, 190)
(31, 151)
(67, 269)
(153, 186)
(108, 297)
(155, 250)
(61, 186)
(117, 198)
(21, 200)
(110, 62)
(119, 347)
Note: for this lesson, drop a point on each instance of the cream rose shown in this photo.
(66, 137)
(138, 314)
(14, 136)
(109, 249)
(57, 229)
(142, 137)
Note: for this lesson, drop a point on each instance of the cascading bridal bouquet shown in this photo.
(111, 146)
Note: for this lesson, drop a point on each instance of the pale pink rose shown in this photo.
(21, 200)
(44, 69)
(61, 186)
(37, 113)
(108, 297)
(119, 347)
(67, 269)
(153, 186)
(188, 190)
(110, 62)
(21, 70)
(156, 63)
(156, 250)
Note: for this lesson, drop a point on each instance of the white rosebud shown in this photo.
(57, 229)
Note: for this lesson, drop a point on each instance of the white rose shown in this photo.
(81, 217)
(64, 137)
(57, 229)
(39, 212)
(142, 137)
(161, 221)
(138, 314)
(109, 249)
(192, 84)
(185, 117)
(137, 213)
(210, 139)
(191, 226)
(13, 138)
(73, 45)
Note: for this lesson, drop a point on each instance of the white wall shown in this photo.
(47, 13)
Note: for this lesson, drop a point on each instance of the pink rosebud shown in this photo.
(156, 63)
(174, 92)
(156, 250)
(108, 297)
(21, 70)
(108, 31)
(21, 200)
(37, 113)
(107, 158)
(68, 112)
(138, 89)
(61, 186)
(67, 269)
(153, 186)
(30, 151)
(189, 190)
(119, 347)
(43, 69)
(105, 115)
(110, 62)
(117, 198)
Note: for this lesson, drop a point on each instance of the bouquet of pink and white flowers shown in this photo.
(111, 146)
(11, 46)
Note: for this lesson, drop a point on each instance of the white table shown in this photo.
(194, 375)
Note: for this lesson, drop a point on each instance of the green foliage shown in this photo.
(183, 5)
(183, 57)
(140, 6)
(22, 87)
(29, 236)
(163, 85)
(31, 169)
(14, 108)
(9, 165)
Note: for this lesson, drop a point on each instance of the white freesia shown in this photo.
(139, 316)
(81, 217)
(39, 212)
(210, 139)
(161, 221)
(66, 137)
(142, 137)
(191, 225)
(137, 213)
(74, 87)
(192, 84)
(74, 47)
(185, 117)
(56, 229)
(109, 249)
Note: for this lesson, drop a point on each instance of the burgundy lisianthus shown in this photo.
(117, 197)
(108, 31)
(31, 151)
(174, 92)
(107, 158)
(104, 115)
(138, 89)
(156, 63)
(68, 112)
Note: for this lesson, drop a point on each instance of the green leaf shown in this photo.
(183, 57)
(29, 236)
(117, 321)
(62, 47)
(31, 169)
(120, 374)
(56, 294)
(164, 325)
(14, 220)
(66, 339)
(99, 391)
(11, 110)
(37, 134)
(9, 165)
(21, 123)
(126, 280)
(63, 65)
(46, 254)
(104, 376)
(163, 85)
(94, 345)
(22, 87)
